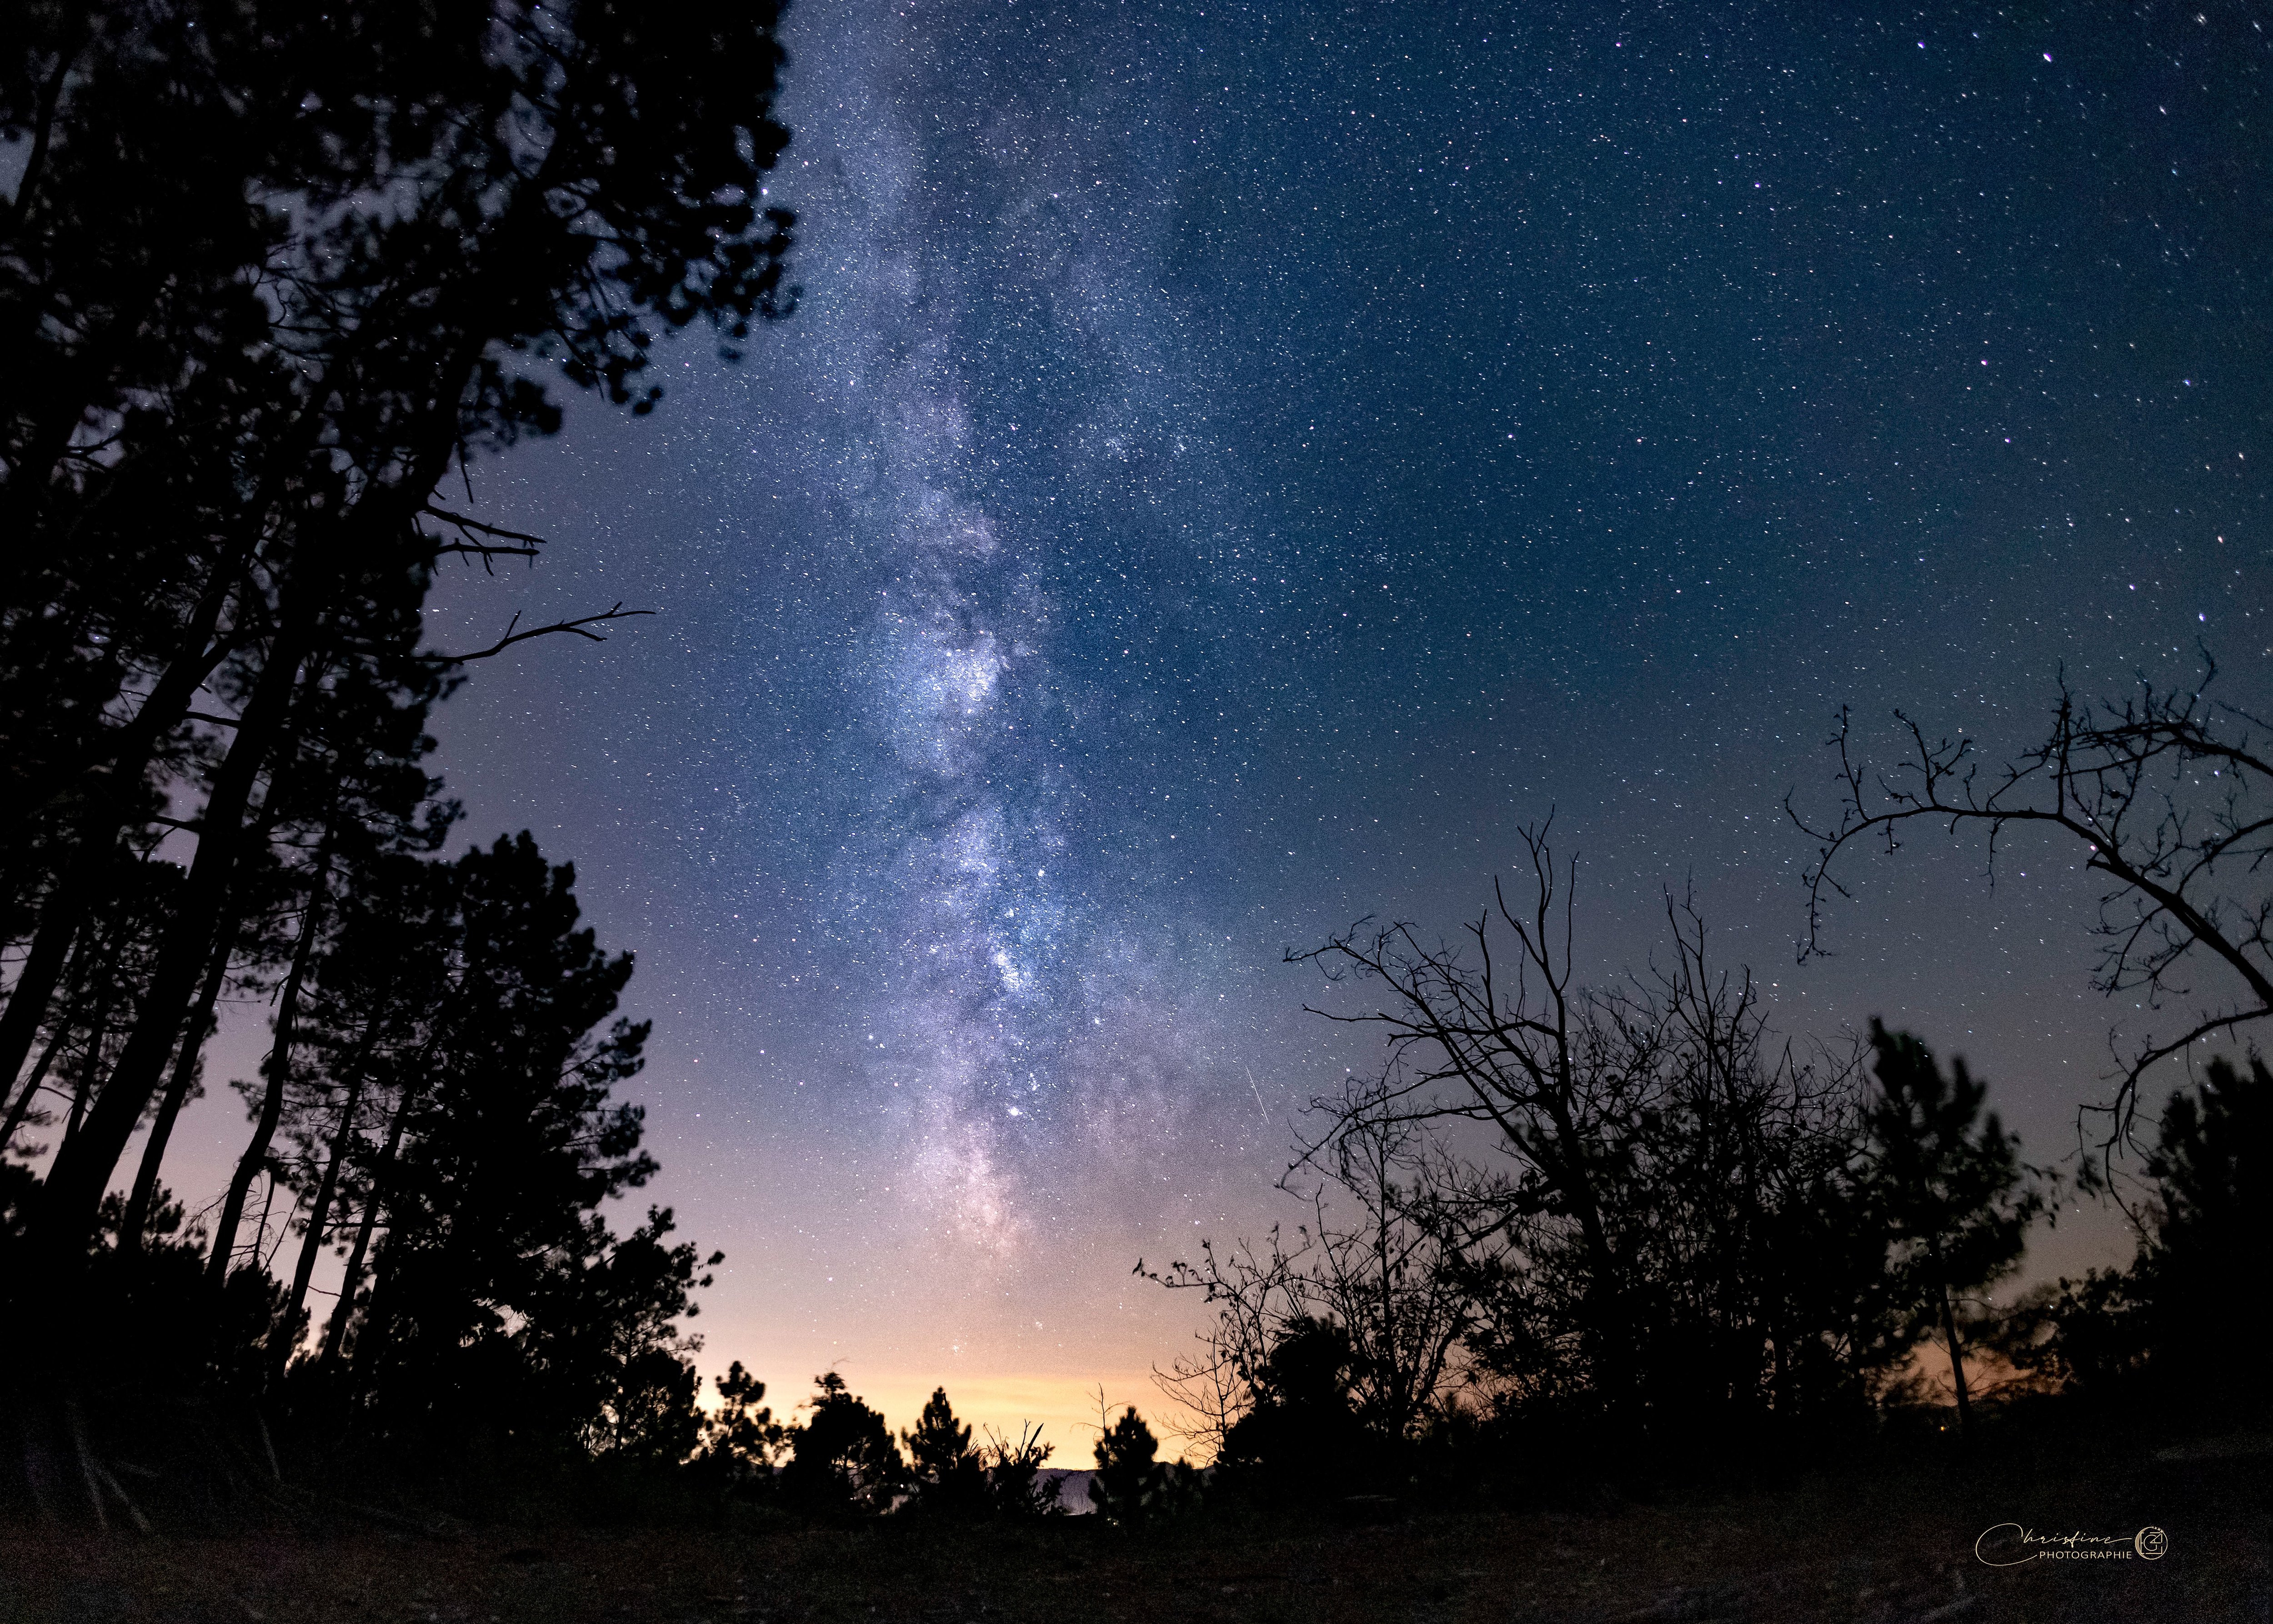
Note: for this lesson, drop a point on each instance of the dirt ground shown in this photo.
(1889, 1550)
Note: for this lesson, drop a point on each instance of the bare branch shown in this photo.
(580, 626)
(2159, 800)
(481, 539)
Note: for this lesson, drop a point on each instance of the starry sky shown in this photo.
(1233, 466)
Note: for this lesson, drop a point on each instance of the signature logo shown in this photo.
(2008, 1545)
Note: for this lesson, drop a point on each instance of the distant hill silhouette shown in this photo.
(1072, 1487)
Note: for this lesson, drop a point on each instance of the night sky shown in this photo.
(1235, 466)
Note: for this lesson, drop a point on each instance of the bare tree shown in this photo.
(1208, 1394)
(2162, 792)
(1368, 1263)
(1503, 1041)
(1256, 1294)
(1657, 1221)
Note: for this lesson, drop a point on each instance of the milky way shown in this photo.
(1233, 467)
(1022, 1002)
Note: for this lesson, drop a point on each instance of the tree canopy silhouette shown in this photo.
(1131, 1486)
(265, 279)
(269, 280)
(458, 1137)
(740, 1438)
(2158, 1333)
(842, 1460)
(949, 1475)
(1659, 1226)
(1623, 1226)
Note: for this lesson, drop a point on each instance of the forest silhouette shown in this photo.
(270, 282)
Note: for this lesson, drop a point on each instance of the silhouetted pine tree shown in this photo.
(947, 1473)
(842, 1461)
(2159, 1335)
(1949, 1186)
(267, 279)
(1131, 1486)
(740, 1438)
(1015, 1488)
(500, 1298)
(2212, 1168)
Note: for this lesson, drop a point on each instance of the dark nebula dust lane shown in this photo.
(1232, 466)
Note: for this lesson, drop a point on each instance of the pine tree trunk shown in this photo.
(22, 1108)
(267, 1204)
(350, 1282)
(278, 1070)
(61, 917)
(69, 1200)
(312, 1245)
(80, 886)
(97, 1031)
(1956, 1367)
(139, 1205)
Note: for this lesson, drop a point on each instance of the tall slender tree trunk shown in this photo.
(87, 871)
(351, 1281)
(1956, 1367)
(73, 976)
(21, 858)
(98, 1031)
(279, 1069)
(144, 1198)
(72, 1194)
(22, 1108)
(267, 1206)
(61, 917)
(311, 1245)
(1608, 1309)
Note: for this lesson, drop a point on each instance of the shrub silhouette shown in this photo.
(1015, 1488)
(1302, 1438)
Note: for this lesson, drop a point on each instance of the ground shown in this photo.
(1886, 1547)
